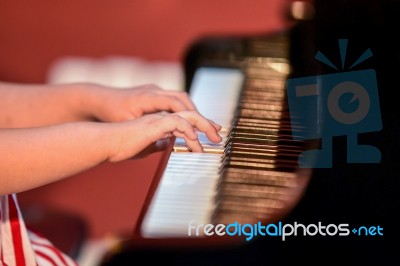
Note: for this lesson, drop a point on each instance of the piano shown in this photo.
(253, 175)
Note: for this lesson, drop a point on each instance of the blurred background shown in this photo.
(35, 35)
(117, 43)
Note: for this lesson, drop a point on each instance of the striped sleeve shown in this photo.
(20, 247)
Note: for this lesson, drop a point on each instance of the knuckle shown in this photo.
(174, 98)
(174, 117)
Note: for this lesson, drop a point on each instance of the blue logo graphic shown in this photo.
(338, 104)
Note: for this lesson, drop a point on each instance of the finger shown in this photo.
(203, 125)
(170, 103)
(187, 129)
(184, 97)
(173, 122)
(193, 145)
(180, 127)
(218, 127)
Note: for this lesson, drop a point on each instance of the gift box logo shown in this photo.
(338, 104)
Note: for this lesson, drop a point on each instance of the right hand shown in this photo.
(138, 134)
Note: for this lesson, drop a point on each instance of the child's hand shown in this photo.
(138, 134)
(117, 105)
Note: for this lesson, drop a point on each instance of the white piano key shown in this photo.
(183, 196)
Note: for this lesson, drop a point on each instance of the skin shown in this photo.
(51, 132)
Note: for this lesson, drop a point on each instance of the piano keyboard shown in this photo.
(248, 176)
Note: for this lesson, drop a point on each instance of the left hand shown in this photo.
(119, 105)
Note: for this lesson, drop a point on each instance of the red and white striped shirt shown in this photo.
(21, 247)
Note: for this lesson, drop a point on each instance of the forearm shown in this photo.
(33, 157)
(40, 105)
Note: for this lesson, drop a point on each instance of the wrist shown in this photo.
(88, 100)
